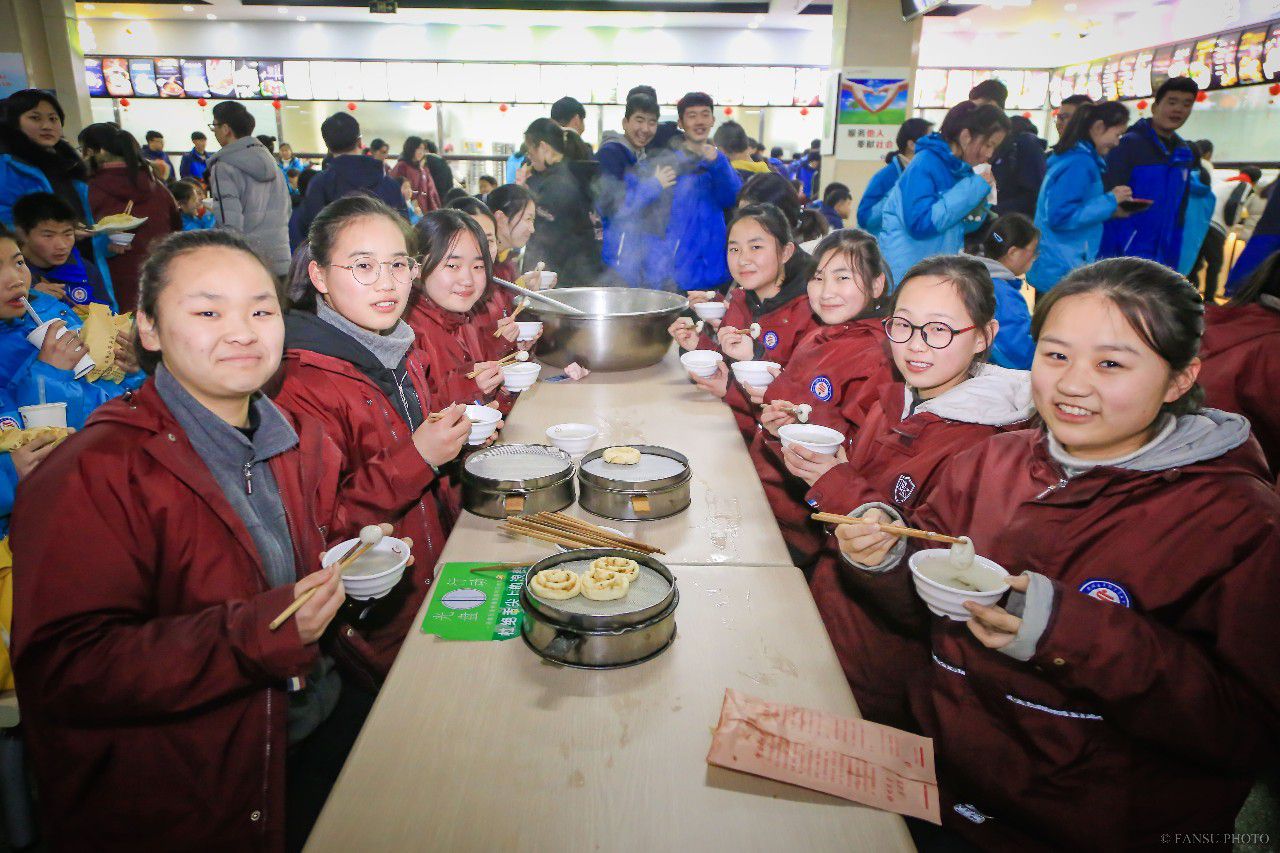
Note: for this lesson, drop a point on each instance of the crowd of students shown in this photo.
(288, 354)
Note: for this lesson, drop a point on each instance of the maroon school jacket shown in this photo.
(152, 690)
(828, 370)
(894, 461)
(359, 418)
(110, 191)
(452, 344)
(1241, 370)
(1152, 695)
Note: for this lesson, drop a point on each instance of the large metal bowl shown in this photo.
(623, 328)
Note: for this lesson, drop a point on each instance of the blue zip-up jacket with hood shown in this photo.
(926, 209)
(1013, 347)
(871, 206)
(694, 245)
(1195, 222)
(22, 371)
(631, 205)
(1265, 240)
(1155, 171)
(19, 178)
(1070, 213)
(344, 175)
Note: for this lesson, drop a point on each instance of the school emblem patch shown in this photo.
(903, 489)
(1105, 590)
(968, 812)
(770, 340)
(9, 423)
(821, 388)
(79, 294)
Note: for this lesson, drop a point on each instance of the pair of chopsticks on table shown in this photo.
(511, 358)
(896, 530)
(560, 529)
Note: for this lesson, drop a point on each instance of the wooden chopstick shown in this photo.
(896, 530)
(354, 553)
(511, 358)
(523, 304)
(500, 567)
(128, 208)
(635, 544)
(583, 535)
(534, 534)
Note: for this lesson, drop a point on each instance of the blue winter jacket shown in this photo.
(1265, 240)
(80, 280)
(194, 165)
(19, 178)
(1070, 213)
(9, 419)
(633, 207)
(346, 174)
(1153, 171)
(833, 218)
(22, 374)
(926, 209)
(694, 245)
(1195, 222)
(1013, 346)
(871, 207)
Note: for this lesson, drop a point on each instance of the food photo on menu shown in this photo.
(222, 77)
(246, 77)
(143, 72)
(194, 81)
(116, 72)
(169, 78)
(94, 80)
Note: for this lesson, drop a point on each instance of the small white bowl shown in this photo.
(945, 600)
(121, 238)
(528, 330)
(710, 310)
(364, 587)
(819, 439)
(484, 422)
(574, 439)
(702, 362)
(755, 373)
(520, 376)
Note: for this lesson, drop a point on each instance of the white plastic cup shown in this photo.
(702, 363)
(710, 310)
(484, 423)
(44, 415)
(121, 238)
(528, 330)
(36, 338)
(946, 601)
(813, 437)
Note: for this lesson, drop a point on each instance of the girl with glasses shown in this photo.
(350, 363)
(940, 399)
(1126, 687)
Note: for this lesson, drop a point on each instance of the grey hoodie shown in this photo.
(621, 138)
(995, 268)
(249, 196)
(995, 396)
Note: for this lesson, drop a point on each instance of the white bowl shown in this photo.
(755, 373)
(948, 601)
(529, 330)
(364, 587)
(121, 238)
(710, 310)
(574, 439)
(702, 362)
(487, 425)
(520, 376)
(819, 439)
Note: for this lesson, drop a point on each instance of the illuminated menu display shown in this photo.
(1271, 63)
(1142, 74)
(1224, 61)
(1110, 81)
(1160, 63)
(1201, 68)
(1249, 57)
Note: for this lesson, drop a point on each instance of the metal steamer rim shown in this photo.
(655, 592)
(508, 467)
(655, 462)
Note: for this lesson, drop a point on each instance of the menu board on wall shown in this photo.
(194, 80)
(1110, 80)
(781, 87)
(1271, 62)
(93, 78)
(1249, 56)
(247, 80)
(297, 79)
(1093, 88)
(1200, 68)
(221, 74)
(169, 78)
(271, 80)
(347, 75)
(1142, 75)
(959, 82)
(324, 80)
(1224, 61)
(1124, 75)
(426, 81)
(400, 81)
(810, 83)
(1035, 88)
(373, 80)
(143, 74)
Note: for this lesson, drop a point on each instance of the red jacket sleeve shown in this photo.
(87, 641)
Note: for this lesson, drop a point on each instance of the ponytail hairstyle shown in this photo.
(770, 218)
(1011, 231)
(545, 130)
(1160, 305)
(509, 199)
(981, 121)
(972, 282)
(911, 130)
(813, 226)
(862, 252)
(473, 207)
(771, 188)
(329, 224)
(1110, 113)
(575, 148)
(437, 231)
(1263, 281)
(110, 137)
(153, 278)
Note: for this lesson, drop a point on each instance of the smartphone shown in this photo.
(1135, 205)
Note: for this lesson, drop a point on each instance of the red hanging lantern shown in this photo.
(804, 111)
(1026, 115)
(1274, 89)
(1142, 105)
(1202, 97)
(202, 102)
(1054, 112)
(502, 108)
(351, 105)
(124, 102)
(275, 104)
(728, 111)
(426, 105)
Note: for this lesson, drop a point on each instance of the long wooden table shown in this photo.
(484, 746)
(657, 406)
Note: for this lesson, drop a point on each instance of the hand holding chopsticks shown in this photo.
(896, 530)
(569, 532)
(523, 304)
(511, 358)
(370, 536)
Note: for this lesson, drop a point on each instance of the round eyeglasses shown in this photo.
(367, 271)
(935, 335)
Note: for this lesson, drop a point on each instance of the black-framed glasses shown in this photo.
(935, 335)
(367, 271)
